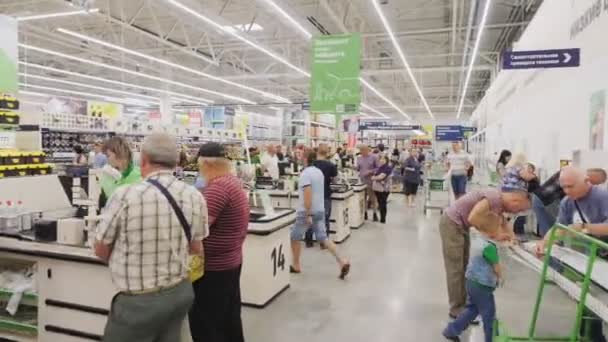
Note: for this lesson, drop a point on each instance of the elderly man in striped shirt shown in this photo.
(142, 237)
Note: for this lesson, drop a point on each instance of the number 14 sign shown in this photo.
(278, 260)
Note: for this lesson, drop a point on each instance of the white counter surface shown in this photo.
(48, 249)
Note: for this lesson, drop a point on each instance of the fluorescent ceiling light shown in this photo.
(56, 15)
(368, 107)
(244, 27)
(171, 64)
(236, 35)
(136, 73)
(402, 56)
(480, 30)
(380, 95)
(275, 108)
(130, 85)
(78, 84)
(33, 93)
(104, 97)
(289, 18)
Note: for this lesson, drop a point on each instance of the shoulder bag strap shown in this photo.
(580, 213)
(178, 211)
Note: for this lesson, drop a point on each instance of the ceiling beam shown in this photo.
(443, 30)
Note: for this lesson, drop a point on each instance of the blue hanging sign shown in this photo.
(541, 59)
(448, 133)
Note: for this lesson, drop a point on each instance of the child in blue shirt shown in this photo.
(483, 275)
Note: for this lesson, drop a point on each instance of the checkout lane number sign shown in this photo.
(278, 259)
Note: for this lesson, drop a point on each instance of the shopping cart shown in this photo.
(575, 277)
(436, 189)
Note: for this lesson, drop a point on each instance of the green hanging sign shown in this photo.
(335, 86)
(8, 55)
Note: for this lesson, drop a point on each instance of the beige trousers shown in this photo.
(455, 245)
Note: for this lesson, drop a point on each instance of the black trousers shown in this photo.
(382, 202)
(216, 313)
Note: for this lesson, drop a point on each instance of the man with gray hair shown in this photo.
(146, 237)
(585, 209)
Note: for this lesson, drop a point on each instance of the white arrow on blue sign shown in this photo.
(541, 59)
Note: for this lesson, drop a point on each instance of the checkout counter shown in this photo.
(72, 289)
(342, 202)
(357, 205)
(266, 256)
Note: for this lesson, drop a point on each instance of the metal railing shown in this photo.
(571, 238)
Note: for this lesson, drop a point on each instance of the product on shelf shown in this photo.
(8, 118)
(9, 102)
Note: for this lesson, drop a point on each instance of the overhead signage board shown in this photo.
(336, 62)
(448, 133)
(8, 55)
(384, 126)
(541, 59)
(467, 132)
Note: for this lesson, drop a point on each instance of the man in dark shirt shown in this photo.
(216, 313)
(550, 192)
(330, 171)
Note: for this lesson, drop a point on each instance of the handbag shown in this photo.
(196, 263)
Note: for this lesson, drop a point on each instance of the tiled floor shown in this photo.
(396, 291)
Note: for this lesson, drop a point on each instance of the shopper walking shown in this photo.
(142, 237)
(330, 171)
(367, 163)
(584, 209)
(458, 163)
(310, 212)
(411, 177)
(216, 313)
(120, 170)
(381, 184)
(472, 210)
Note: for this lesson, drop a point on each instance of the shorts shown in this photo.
(459, 184)
(410, 188)
(318, 226)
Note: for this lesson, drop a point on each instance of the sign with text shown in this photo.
(467, 132)
(104, 109)
(448, 133)
(384, 126)
(335, 86)
(541, 59)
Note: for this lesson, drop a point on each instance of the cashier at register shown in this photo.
(585, 208)
(120, 170)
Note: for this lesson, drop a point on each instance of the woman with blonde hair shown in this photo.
(517, 174)
(120, 169)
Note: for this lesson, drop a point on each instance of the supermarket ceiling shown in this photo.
(257, 51)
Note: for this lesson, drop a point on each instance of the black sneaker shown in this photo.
(365, 215)
(375, 217)
(451, 338)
